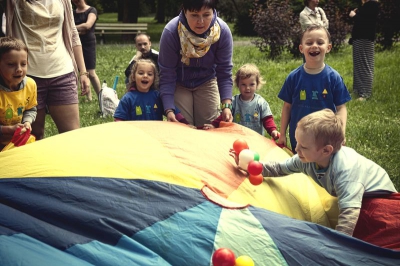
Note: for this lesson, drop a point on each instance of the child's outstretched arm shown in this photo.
(347, 220)
(270, 169)
(270, 126)
(285, 118)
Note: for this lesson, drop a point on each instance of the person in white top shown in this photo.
(55, 58)
(312, 14)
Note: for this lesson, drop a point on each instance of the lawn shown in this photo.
(373, 125)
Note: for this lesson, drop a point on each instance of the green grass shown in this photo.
(373, 125)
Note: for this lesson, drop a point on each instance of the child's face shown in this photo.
(144, 77)
(314, 45)
(308, 150)
(13, 67)
(247, 88)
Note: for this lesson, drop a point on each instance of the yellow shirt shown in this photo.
(14, 103)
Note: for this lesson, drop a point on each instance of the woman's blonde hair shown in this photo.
(246, 71)
(132, 82)
(326, 128)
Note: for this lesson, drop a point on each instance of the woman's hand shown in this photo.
(353, 13)
(171, 116)
(227, 115)
(85, 84)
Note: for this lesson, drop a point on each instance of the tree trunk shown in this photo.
(130, 14)
(160, 13)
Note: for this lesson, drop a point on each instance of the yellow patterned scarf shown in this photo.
(193, 46)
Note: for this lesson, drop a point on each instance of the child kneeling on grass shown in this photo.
(368, 201)
(250, 109)
(142, 101)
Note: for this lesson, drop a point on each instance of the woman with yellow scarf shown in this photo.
(195, 61)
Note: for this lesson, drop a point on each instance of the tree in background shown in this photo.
(276, 25)
(337, 12)
(388, 26)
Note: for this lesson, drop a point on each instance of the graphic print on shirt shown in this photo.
(247, 117)
(324, 93)
(303, 95)
(9, 112)
(237, 117)
(139, 110)
(256, 116)
(314, 95)
(20, 109)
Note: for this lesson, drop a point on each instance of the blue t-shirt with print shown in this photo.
(308, 93)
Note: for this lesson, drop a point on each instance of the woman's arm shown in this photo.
(85, 27)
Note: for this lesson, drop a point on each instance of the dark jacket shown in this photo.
(365, 21)
(153, 56)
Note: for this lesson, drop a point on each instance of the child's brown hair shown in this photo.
(315, 27)
(132, 82)
(326, 128)
(246, 71)
(8, 44)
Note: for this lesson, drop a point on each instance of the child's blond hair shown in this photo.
(326, 128)
(246, 71)
(8, 44)
(154, 86)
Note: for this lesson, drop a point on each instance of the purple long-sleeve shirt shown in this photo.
(216, 63)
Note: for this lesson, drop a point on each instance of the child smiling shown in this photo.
(142, 101)
(313, 86)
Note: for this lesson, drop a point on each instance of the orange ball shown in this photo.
(239, 145)
(256, 179)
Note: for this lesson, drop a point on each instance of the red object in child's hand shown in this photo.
(254, 168)
(256, 179)
(239, 145)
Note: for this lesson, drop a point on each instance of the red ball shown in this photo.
(224, 257)
(239, 145)
(254, 168)
(256, 179)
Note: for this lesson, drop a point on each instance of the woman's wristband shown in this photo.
(168, 111)
(84, 73)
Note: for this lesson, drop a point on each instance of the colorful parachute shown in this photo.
(160, 193)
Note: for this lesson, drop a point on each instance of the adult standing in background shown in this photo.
(362, 39)
(47, 27)
(143, 51)
(195, 62)
(85, 17)
(312, 14)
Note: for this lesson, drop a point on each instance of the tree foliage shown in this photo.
(276, 26)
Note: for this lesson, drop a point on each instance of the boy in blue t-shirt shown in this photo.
(313, 86)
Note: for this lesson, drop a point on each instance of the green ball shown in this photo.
(256, 156)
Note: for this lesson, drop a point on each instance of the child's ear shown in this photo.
(329, 48)
(301, 48)
(327, 150)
